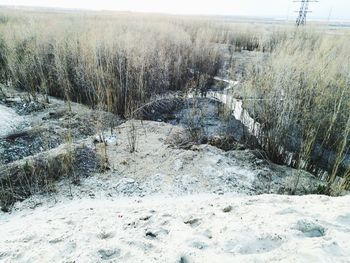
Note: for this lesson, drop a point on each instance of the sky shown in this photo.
(285, 9)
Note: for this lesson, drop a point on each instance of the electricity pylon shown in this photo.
(304, 9)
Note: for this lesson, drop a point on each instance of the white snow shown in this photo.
(266, 228)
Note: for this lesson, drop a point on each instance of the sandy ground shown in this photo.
(157, 167)
(166, 204)
(9, 119)
(195, 228)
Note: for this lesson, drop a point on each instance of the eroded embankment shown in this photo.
(161, 189)
(42, 142)
(321, 160)
(138, 157)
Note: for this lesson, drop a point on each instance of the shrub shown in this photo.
(117, 61)
(305, 106)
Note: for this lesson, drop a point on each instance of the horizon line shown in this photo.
(272, 17)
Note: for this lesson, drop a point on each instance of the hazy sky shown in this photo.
(338, 9)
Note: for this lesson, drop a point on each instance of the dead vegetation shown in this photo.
(304, 107)
(46, 147)
(117, 60)
(37, 174)
(128, 64)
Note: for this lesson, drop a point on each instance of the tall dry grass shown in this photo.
(305, 108)
(118, 60)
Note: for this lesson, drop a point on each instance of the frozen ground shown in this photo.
(195, 228)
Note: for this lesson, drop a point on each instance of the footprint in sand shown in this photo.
(27, 238)
(344, 219)
(105, 235)
(286, 211)
(56, 240)
(254, 245)
(3, 255)
(108, 254)
(199, 245)
(310, 228)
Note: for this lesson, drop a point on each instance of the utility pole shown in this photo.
(330, 14)
(303, 11)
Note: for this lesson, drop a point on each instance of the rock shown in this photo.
(227, 209)
(193, 222)
(154, 233)
(150, 234)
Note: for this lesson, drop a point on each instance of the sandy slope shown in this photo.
(157, 205)
(267, 228)
(156, 167)
(9, 119)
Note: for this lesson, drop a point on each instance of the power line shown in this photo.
(330, 14)
(303, 11)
